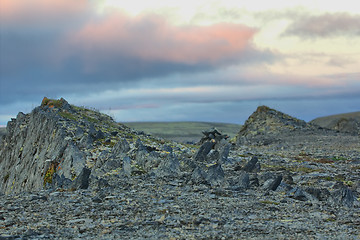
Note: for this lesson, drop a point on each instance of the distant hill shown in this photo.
(346, 122)
(183, 131)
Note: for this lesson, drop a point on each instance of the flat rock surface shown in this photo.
(151, 208)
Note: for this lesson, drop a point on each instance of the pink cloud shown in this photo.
(150, 37)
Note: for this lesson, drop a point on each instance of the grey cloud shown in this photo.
(325, 25)
(37, 60)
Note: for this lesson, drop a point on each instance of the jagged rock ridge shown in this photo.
(57, 144)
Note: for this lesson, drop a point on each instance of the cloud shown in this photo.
(152, 38)
(325, 25)
(41, 11)
(340, 62)
(67, 48)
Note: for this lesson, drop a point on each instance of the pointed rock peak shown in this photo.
(263, 109)
(264, 112)
(265, 121)
(273, 119)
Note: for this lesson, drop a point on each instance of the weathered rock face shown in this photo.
(36, 146)
(265, 123)
(58, 145)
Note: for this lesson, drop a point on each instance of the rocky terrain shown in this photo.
(347, 122)
(73, 173)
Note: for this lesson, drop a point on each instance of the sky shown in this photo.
(168, 60)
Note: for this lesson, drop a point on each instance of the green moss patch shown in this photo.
(50, 173)
(67, 115)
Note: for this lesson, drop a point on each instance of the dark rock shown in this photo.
(203, 151)
(79, 133)
(224, 153)
(92, 131)
(112, 164)
(127, 166)
(213, 135)
(198, 176)
(169, 167)
(297, 193)
(36, 198)
(284, 187)
(272, 184)
(344, 196)
(82, 181)
(189, 164)
(61, 181)
(254, 180)
(322, 194)
(211, 132)
(97, 199)
(215, 175)
(86, 141)
(266, 176)
(140, 146)
(288, 179)
(99, 135)
(244, 181)
(213, 156)
(251, 165)
(122, 146)
(348, 125)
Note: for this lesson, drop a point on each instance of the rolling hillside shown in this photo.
(347, 122)
(330, 120)
(183, 131)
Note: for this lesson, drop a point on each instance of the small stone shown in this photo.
(82, 181)
(96, 199)
(215, 175)
(251, 165)
(198, 175)
(272, 184)
(127, 166)
(203, 151)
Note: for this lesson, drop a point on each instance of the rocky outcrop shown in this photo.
(265, 124)
(36, 146)
(58, 145)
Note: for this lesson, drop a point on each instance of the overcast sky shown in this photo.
(177, 60)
